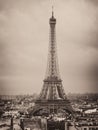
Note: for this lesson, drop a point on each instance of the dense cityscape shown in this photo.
(17, 106)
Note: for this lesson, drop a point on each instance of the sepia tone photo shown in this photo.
(48, 64)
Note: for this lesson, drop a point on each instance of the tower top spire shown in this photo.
(52, 19)
(52, 12)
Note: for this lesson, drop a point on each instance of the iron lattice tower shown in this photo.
(52, 97)
(52, 88)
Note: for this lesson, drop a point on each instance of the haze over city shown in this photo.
(24, 39)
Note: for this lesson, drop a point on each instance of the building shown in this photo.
(52, 98)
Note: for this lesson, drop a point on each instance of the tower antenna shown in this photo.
(52, 11)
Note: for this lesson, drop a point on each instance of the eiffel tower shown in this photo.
(52, 98)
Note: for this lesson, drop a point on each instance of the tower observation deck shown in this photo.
(52, 97)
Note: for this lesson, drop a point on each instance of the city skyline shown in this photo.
(24, 38)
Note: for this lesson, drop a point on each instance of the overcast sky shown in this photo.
(24, 39)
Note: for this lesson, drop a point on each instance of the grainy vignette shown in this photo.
(24, 43)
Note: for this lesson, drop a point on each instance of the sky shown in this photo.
(24, 39)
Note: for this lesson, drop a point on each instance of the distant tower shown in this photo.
(22, 123)
(11, 125)
(52, 97)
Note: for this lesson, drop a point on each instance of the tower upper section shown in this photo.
(52, 67)
(52, 20)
